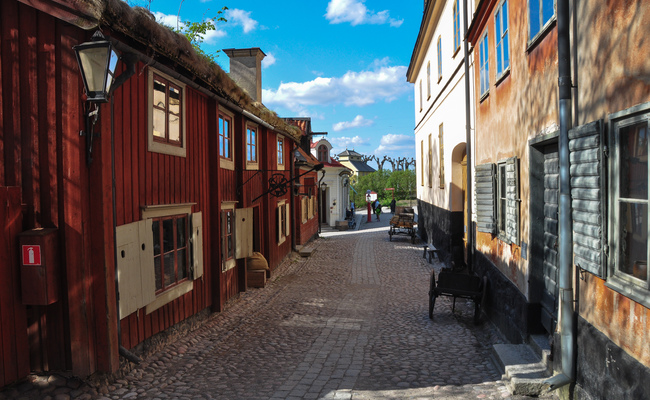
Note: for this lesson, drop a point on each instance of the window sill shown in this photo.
(484, 96)
(170, 295)
(629, 290)
(252, 165)
(155, 146)
(226, 163)
(456, 52)
(532, 43)
(280, 167)
(503, 76)
(228, 265)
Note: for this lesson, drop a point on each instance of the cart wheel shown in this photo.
(413, 238)
(432, 293)
(390, 236)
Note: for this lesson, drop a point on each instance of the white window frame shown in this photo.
(501, 39)
(538, 13)
(484, 61)
(283, 221)
(623, 282)
(279, 150)
(456, 17)
(153, 145)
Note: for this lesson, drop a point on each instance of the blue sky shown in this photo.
(341, 62)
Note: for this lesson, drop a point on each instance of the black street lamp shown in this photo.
(97, 62)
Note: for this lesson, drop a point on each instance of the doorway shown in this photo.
(545, 190)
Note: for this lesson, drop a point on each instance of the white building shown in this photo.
(437, 70)
(334, 198)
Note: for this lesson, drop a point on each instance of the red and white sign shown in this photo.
(31, 254)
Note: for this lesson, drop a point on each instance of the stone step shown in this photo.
(524, 372)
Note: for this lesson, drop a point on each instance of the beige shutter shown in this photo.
(278, 216)
(287, 220)
(135, 271)
(243, 232)
(197, 245)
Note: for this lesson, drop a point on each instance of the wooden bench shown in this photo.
(429, 252)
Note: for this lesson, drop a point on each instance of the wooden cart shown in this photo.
(461, 284)
(403, 224)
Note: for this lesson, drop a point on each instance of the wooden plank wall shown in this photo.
(147, 178)
(39, 129)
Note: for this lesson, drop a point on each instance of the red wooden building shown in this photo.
(146, 219)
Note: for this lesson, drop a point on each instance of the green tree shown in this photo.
(402, 181)
(195, 31)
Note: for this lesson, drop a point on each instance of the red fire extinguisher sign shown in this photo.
(31, 255)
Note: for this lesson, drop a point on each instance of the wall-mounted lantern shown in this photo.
(97, 63)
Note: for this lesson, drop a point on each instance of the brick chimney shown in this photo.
(246, 69)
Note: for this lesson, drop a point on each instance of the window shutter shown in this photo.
(512, 200)
(244, 232)
(197, 245)
(587, 179)
(224, 244)
(135, 270)
(278, 224)
(485, 198)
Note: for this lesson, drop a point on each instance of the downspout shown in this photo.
(468, 146)
(567, 326)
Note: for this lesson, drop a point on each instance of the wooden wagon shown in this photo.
(403, 224)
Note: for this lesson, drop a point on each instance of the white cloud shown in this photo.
(211, 36)
(268, 60)
(348, 142)
(168, 20)
(242, 18)
(392, 143)
(358, 121)
(382, 82)
(356, 13)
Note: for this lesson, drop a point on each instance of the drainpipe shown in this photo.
(468, 146)
(292, 197)
(567, 326)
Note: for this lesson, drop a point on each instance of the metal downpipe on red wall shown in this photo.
(567, 318)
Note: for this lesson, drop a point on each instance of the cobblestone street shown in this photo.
(348, 322)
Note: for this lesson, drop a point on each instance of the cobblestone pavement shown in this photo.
(349, 322)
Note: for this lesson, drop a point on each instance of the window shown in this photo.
(420, 95)
(166, 115)
(507, 197)
(439, 46)
(501, 29)
(251, 146)
(422, 162)
(540, 13)
(227, 238)
(158, 257)
(428, 80)
(225, 140)
(441, 148)
(281, 152)
(170, 250)
(628, 219)
(456, 26)
(430, 163)
(322, 153)
(484, 68)
(283, 220)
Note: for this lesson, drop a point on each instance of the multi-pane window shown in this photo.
(441, 149)
(283, 221)
(251, 145)
(540, 13)
(280, 151)
(456, 26)
(629, 221)
(439, 46)
(225, 136)
(484, 68)
(420, 94)
(501, 28)
(170, 250)
(228, 222)
(167, 106)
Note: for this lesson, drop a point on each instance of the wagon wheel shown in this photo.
(412, 236)
(432, 293)
(479, 301)
(390, 234)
